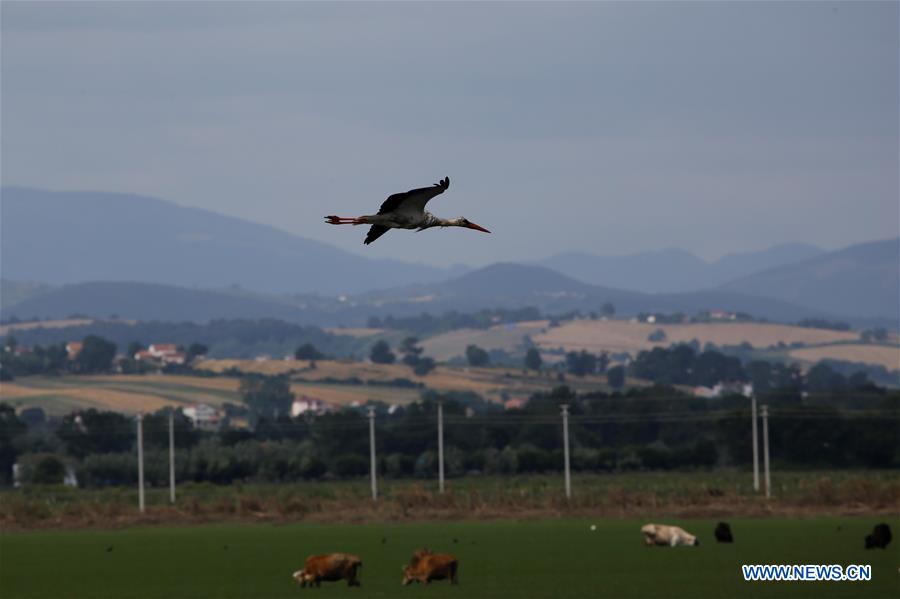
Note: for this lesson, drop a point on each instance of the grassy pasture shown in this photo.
(527, 558)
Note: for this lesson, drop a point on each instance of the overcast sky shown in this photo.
(601, 127)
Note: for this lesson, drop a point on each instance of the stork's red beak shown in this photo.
(477, 228)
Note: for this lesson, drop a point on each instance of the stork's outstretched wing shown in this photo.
(375, 231)
(414, 200)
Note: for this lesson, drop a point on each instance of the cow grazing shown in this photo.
(329, 567)
(425, 566)
(662, 534)
(880, 537)
(723, 533)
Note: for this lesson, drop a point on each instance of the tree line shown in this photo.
(649, 428)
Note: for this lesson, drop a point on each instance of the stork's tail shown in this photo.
(342, 220)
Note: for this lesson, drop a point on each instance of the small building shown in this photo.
(164, 353)
(720, 389)
(308, 405)
(203, 417)
(73, 348)
(722, 315)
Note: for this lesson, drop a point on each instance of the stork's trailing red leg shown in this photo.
(342, 220)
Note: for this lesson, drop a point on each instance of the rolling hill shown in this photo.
(673, 270)
(499, 285)
(72, 237)
(860, 281)
(519, 285)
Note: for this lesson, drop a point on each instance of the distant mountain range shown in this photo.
(148, 302)
(73, 237)
(495, 286)
(673, 270)
(154, 260)
(861, 281)
(520, 285)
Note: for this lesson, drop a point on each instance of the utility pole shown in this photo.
(372, 453)
(140, 448)
(565, 417)
(172, 456)
(441, 446)
(755, 443)
(765, 423)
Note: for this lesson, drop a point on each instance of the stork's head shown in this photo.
(462, 222)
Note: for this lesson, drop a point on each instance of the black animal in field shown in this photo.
(880, 537)
(723, 533)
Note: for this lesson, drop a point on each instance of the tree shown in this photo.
(581, 363)
(156, 429)
(96, 355)
(133, 348)
(533, 359)
(858, 380)
(411, 351)
(615, 376)
(477, 356)
(423, 366)
(412, 357)
(196, 349)
(602, 362)
(657, 335)
(822, 379)
(94, 431)
(608, 309)
(49, 471)
(267, 396)
(10, 428)
(308, 351)
(381, 353)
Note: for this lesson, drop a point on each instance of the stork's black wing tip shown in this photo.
(375, 231)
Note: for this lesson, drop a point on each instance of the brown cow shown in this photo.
(329, 567)
(426, 566)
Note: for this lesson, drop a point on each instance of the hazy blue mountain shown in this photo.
(73, 237)
(673, 270)
(862, 280)
(520, 285)
(147, 302)
(495, 286)
(13, 292)
(732, 266)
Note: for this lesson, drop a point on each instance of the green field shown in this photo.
(529, 559)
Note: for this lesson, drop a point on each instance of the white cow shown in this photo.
(663, 534)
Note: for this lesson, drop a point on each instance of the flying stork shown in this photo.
(405, 211)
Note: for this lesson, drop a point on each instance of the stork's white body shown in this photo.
(402, 219)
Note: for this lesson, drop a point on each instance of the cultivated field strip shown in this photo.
(624, 336)
(883, 355)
